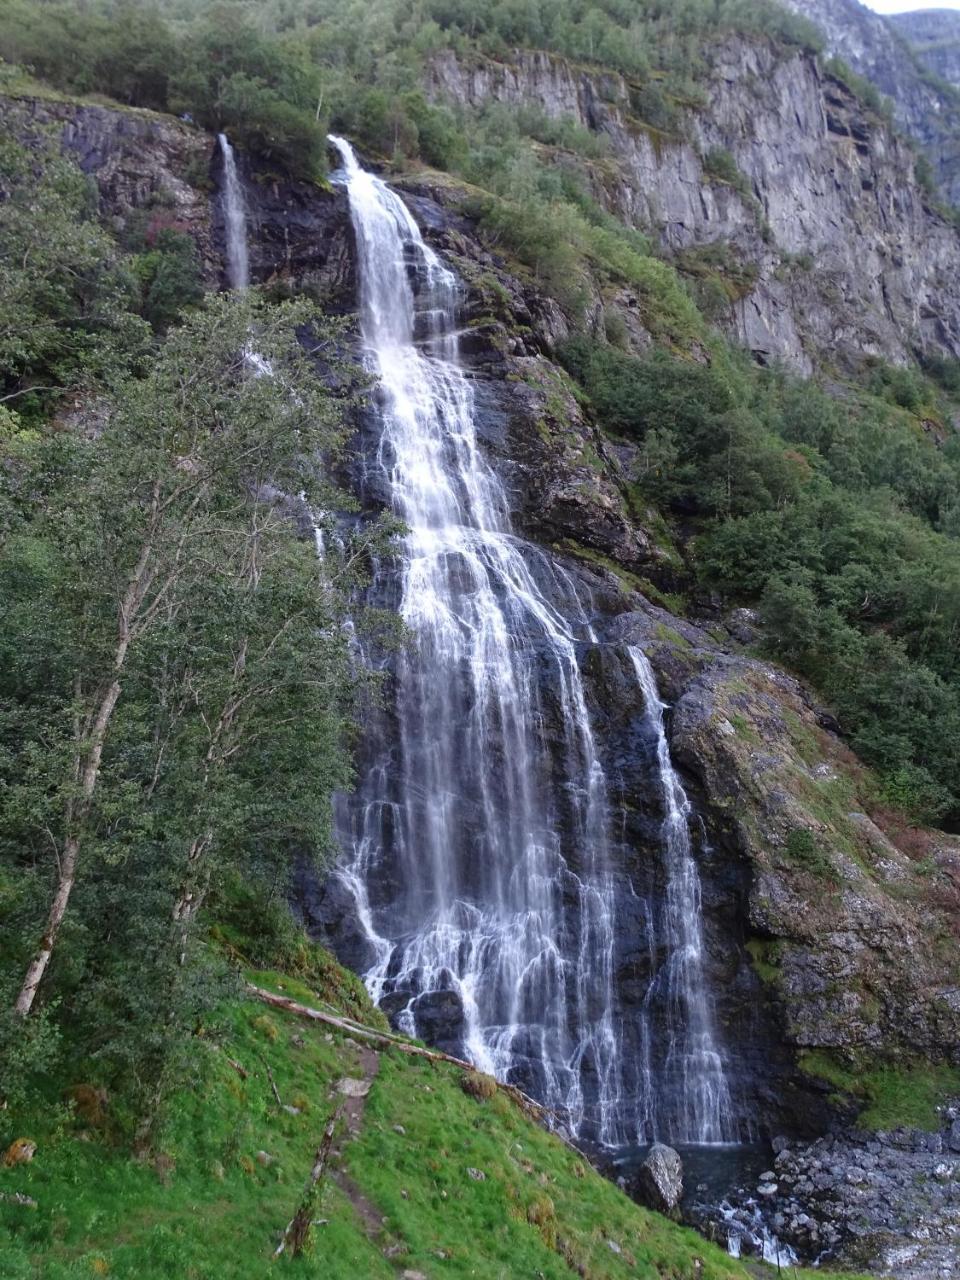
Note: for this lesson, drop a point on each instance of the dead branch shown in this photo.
(273, 1085)
(297, 1232)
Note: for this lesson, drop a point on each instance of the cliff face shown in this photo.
(934, 37)
(849, 258)
(927, 111)
(822, 932)
(823, 935)
(142, 163)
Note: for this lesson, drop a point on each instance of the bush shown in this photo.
(719, 163)
(169, 276)
(802, 848)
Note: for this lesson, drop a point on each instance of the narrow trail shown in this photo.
(354, 1106)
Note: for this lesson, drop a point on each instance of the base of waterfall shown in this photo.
(886, 1203)
(716, 1193)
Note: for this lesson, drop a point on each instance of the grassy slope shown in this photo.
(208, 1208)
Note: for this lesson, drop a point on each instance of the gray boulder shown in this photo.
(660, 1180)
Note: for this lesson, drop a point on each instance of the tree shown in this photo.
(178, 505)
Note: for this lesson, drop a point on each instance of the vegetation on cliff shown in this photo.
(837, 517)
(177, 688)
(178, 695)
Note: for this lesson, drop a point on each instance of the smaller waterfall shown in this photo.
(695, 1104)
(235, 219)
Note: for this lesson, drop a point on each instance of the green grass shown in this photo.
(207, 1208)
(908, 1096)
(890, 1096)
(765, 957)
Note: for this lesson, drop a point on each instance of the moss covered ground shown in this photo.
(212, 1201)
(889, 1096)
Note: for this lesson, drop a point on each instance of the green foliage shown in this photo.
(719, 163)
(67, 300)
(266, 71)
(838, 520)
(860, 87)
(169, 278)
(234, 693)
(765, 958)
(802, 848)
(890, 1095)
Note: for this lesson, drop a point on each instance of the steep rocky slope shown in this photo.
(846, 256)
(928, 111)
(934, 37)
(830, 939)
(842, 941)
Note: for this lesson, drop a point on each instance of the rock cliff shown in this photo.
(847, 255)
(877, 48)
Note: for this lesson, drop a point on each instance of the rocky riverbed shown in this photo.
(886, 1202)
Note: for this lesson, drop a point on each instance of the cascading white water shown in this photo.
(692, 1077)
(479, 851)
(234, 218)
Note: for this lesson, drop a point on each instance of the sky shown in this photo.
(901, 6)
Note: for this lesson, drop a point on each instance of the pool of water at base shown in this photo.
(719, 1194)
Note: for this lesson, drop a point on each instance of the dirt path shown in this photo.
(353, 1109)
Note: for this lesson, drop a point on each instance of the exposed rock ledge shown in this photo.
(851, 258)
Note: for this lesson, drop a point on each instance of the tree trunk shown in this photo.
(89, 773)
(58, 909)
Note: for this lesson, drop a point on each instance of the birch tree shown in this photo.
(174, 501)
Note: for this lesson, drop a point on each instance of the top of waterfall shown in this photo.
(345, 151)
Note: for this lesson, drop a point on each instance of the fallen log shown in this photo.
(394, 1042)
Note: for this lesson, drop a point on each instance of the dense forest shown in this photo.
(178, 680)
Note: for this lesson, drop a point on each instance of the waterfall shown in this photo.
(234, 218)
(477, 849)
(697, 1107)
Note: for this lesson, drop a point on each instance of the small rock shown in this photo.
(218, 1171)
(413, 1275)
(477, 1175)
(614, 1247)
(353, 1088)
(290, 1110)
(265, 1158)
(20, 1151)
(397, 1128)
(769, 1176)
(404, 1193)
(767, 1189)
